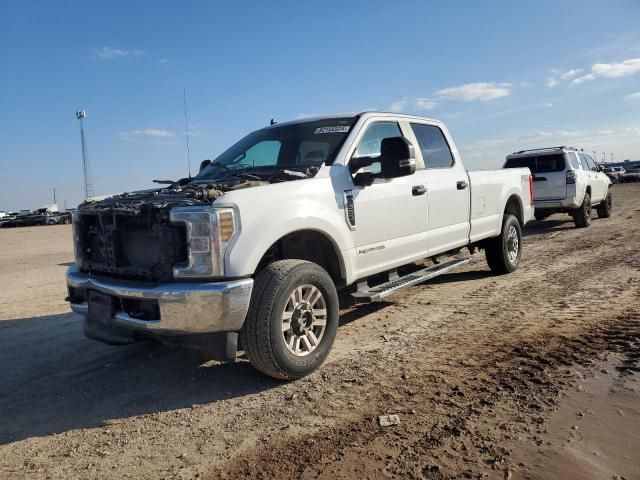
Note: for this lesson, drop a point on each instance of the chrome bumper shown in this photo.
(185, 308)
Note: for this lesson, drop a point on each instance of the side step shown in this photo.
(395, 283)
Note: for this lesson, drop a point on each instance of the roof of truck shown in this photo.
(316, 118)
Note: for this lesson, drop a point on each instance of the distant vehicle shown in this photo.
(7, 220)
(631, 175)
(565, 180)
(614, 173)
(58, 218)
(30, 220)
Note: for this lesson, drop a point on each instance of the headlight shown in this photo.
(77, 247)
(209, 232)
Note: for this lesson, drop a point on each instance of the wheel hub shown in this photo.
(304, 320)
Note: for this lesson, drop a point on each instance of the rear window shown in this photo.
(538, 164)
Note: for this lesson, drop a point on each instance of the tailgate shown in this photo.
(549, 175)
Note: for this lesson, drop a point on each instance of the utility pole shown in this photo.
(54, 195)
(88, 183)
(611, 157)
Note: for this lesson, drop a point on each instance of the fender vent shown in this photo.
(349, 209)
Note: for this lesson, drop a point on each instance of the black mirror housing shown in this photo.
(397, 157)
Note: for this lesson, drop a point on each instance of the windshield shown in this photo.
(296, 146)
(538, 164)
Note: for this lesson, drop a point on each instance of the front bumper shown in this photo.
(184, 308)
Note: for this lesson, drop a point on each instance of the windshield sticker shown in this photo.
(331, 130)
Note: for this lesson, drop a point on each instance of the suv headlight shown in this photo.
(209, 233)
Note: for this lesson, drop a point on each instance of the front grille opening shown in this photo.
(147, 310)
(142, 247)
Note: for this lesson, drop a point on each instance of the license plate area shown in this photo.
(101, 307)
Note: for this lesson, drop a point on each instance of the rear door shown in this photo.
(447, 190)
(598, 185)
(549, 174)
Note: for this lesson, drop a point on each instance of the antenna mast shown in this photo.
(88, 183)
(186, 129)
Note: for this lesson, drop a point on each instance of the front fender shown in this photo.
(271, 212)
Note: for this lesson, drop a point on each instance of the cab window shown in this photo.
(369, 144)
(434, 147)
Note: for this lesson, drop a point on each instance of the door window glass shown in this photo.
(434, 147)
(369, 144)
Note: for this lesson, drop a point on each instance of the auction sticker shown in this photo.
(331, 130)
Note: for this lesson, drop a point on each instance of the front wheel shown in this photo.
(505, 251)
(604, 209)
(292, 319)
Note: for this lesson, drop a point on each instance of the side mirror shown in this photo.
(204, 164)
(397, 157)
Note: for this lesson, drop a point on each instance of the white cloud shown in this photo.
(109, 53)
(611, 70)
(425, 104)
(585, 78)
(633, 96)
(552, 82)
(544, 134)
(163, 60)
(571, 73)
(481, 91)
(398, 105)
(149, 132)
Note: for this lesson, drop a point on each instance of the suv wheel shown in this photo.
(292, 320)
(582, 214)
(604, 209)
(505, 251)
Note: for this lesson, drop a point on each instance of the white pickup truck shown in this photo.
(250, 253)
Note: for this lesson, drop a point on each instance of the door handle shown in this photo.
(462, 184)
(418, 190)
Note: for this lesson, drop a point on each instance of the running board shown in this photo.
(395, 283)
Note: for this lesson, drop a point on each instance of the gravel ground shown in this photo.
(478, 368)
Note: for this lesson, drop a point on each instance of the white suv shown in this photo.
(565, 180)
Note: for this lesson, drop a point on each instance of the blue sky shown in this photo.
(503, 75)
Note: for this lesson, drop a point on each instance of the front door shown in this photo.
(391, 214)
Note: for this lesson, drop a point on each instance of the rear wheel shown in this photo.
(604, 209)
(582, 214)
(292, 320)
(505, 251)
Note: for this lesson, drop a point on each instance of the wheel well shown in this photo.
(588, 189)
(308, 245)
(514, 207)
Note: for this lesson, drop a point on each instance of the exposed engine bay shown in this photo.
(131, 236)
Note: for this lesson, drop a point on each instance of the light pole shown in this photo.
(88, 184)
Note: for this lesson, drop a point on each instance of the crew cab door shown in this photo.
(448, 189)
(390, 215)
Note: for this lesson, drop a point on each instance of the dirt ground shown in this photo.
(531, 375)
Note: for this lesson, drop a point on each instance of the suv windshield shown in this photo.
(294, 146)
(538, 164)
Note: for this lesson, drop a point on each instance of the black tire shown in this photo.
(540, 216)
(262, 333)
(497, 250)
(604, 209)
(582, 214)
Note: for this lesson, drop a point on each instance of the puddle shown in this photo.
(594, 434)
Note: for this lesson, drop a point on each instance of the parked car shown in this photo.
(565, 180)
(59, 218)
(30, 219)
(7, 220)
(255, 247)
(614, 173)
(631, 175)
